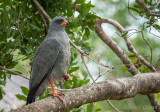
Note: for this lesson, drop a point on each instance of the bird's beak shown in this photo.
(64, 23)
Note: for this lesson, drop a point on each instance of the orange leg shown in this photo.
(53, 91)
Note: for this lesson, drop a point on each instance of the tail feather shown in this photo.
(32, 99)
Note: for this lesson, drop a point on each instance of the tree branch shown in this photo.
(18, 25)
(117, 89)
(129, 45)
(119, 52)
(147, 9)
(158, 66)
(12, 71)
(87, 69)
(42, 10)
(126, 61)
(112, 106)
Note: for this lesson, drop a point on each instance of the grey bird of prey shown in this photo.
(51, 61)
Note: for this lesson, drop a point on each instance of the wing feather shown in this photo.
(43, 64)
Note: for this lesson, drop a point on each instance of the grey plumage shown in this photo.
(51, 60)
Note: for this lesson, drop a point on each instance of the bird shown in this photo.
(51, 61)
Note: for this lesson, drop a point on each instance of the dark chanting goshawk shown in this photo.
(51, 61)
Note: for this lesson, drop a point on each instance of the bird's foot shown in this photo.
(56, 94)
(66, 77)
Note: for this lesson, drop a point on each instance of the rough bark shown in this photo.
(118, 51)
(117, 89)
(128, 42)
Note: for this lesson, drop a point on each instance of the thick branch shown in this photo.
(119, 52)
(129, 45)
(131, 68)
(117, 89)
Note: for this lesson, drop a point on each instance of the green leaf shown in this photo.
(156, 26)
(21, 97)
(34, 26)
(23, 50)
(24, 90)
(2, 82)
(9, 32)
(1, 96)
(87, 32)
(91, 25)
(134, 9)
(12, 65)
(90, 107)
(83, 11)
(86, 49)
(124, 33)
(124, 69)
(9, 76)
(1, 92)
(73, 69)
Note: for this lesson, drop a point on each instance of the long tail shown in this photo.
(31, 97)
(30, 100)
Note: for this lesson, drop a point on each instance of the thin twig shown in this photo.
(87, 68)
(153, 33)
(112, 106)
(12, 71)
(130, 12)
(147, 9)
(157, 5)
(148, 46)
(141, 31)
(18, 26)
(42, 10)
(19, 58)
(84, 54)
(44, 21)
(111, 67)
(14, 48)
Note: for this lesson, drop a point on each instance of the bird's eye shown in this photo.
(60, 20)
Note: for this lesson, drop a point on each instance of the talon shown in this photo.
(60, 94)
(56, 94)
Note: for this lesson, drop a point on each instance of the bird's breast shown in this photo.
(62, 62)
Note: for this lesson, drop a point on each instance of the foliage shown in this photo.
(152, 21)
(25, 92)
(22, 31)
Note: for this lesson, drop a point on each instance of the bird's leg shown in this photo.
(53, 91)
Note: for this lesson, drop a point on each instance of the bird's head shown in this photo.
(58, 23)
